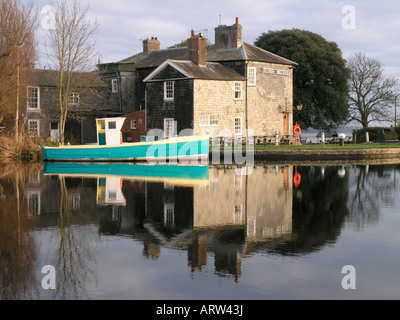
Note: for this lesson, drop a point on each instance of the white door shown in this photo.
(169, 128)
(55, 131)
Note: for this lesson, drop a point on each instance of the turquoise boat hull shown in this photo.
(193, 147)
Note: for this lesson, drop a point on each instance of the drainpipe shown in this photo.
(246, 102)
(119, 91)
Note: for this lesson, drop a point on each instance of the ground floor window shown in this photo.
(209, 120)
(33, 128)
(238, 126)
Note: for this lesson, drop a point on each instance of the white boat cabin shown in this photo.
(109, 131)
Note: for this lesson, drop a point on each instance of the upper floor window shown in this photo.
(169, 90)
(73, 98)
(252, 76)
(114, 85)
(133, 125)
(238, 91)
(33, 99)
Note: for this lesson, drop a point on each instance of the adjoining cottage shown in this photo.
(42, 109)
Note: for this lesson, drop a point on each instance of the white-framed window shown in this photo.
(133, 124)
(112, 125)
(238, 91)
(33, 98)
(73, 98)
(238, 126)
(33, 128)
(252, 76)
(169, 90)
(114, 85)
(209, 120)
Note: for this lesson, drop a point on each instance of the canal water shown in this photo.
(273, 231)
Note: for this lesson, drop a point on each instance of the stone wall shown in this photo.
(270, 98)
(217, 98)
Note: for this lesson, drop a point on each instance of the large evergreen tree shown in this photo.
(320, 79)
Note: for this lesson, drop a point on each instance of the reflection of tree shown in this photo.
(319, 210)
(73, 254)
(370, 185)
(18, 252)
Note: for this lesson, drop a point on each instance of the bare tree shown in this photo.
(371, 92)
(18, 24)
(71, 52)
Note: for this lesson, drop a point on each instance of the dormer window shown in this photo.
(73, 98)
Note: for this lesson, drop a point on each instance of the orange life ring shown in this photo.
(297, 130)
(297, 179)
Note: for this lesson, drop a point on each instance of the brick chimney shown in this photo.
(197, 49)
(152, 44)
(228, 37)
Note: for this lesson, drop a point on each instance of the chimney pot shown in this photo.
(237, 20)
(197, 49)
(152, 44)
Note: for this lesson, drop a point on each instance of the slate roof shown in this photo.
(212, 71)
(245, 52)
(43, 78)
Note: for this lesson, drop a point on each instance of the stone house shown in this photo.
(228, 87)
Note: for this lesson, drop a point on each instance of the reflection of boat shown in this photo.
(181, 148)
(172, 174)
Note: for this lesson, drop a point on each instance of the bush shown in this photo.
(389, 133)
(397, 130)
(26, 150)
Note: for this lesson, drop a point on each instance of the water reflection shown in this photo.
(216, 215)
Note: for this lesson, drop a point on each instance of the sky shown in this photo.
(370, 27)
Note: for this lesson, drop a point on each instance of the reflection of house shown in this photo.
(250, 205)
(258, 199)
